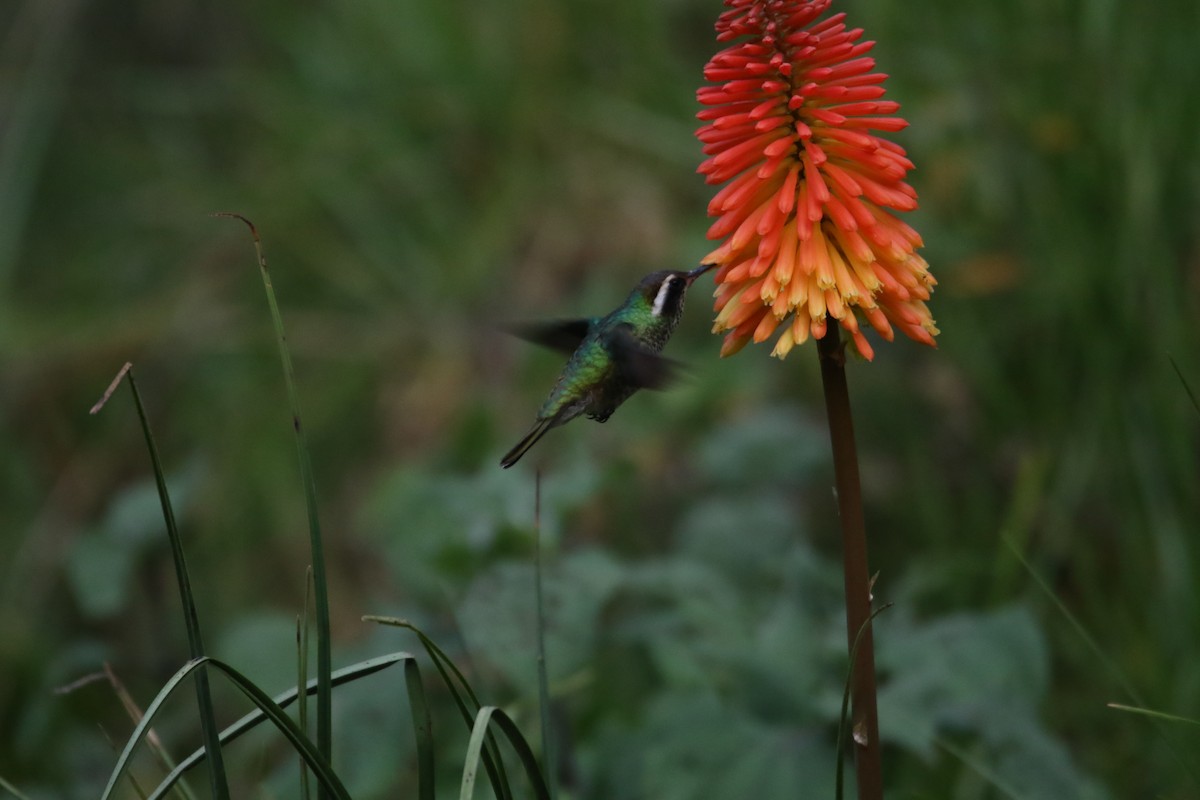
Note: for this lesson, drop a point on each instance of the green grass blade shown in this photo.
(845, 716)
(272, 711)
(301, 682)
(980, 768)
(142, 727)
(302, 676)
(492, 760)
(324, 657)
(423, 728)
(548, 754)
(1110, 666)
(191, 619)
(468, 706)
(152, 740)
(326, 777)
(133, 781)
(14, 791)
(1186, 387)
(249, 721)
(524, 752)
(475, 749)
(1155, 714)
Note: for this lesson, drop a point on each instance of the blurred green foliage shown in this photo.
(421, 171)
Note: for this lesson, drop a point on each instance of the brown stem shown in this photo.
(865, 720)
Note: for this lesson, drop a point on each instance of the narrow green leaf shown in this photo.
(492, 760)
(14, 791)
(1155, 714)
(320, 766)
(1186, 387)
(423, 728)
(302, 678)
(845, 716)
(454, 679)
(153, 742)
(252, 719)
(272, 710)
(479, 735)
(324, 657)
(1113, 670)
(191, 619)
(142, 727)
(980, 768)
(524, 752)
(133, 781)
(474, 750)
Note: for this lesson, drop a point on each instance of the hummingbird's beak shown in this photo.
(698, 271)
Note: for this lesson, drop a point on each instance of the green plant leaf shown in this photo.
(981, 672)
(464, 697)
(191, 617)
(283, 700)
(479, 736)
(423, 728)
(317, 548)
(272, 711)
(1155, 714)
(693, 744)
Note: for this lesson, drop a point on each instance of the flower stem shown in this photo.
(865, 727)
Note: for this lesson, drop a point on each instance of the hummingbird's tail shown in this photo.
(536, 432)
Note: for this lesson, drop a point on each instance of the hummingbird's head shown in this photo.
(665, 290)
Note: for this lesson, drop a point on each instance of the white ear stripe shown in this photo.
(660, 299)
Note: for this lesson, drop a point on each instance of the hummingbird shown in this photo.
(611, 356)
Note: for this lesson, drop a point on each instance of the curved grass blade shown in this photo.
(272, 711)
(301, 682)
(133, 781)
(1186, 387)
(191, 619)
(326, 777)
(143, 727)
(841, 735)
(453, 678)
(1109, 665)
(302, 669)
(479, 735)
(324, 657)
(980, 768)
(14, 791)
(249, 721)
(152, 740)
(423, 728)
(1149, 712)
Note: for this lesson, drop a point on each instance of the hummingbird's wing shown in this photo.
(564, 334)
(638, 366)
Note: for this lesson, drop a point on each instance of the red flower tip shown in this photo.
(806, 210)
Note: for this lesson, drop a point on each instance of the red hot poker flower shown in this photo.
(806, 210)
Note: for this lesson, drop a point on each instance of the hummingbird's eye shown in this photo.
(664, 291)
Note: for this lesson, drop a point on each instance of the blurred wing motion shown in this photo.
(611, 357)
(564, 335)
(639, 366)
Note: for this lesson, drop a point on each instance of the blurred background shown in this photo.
(420, 173)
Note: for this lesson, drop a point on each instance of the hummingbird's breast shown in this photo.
(588, 371)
